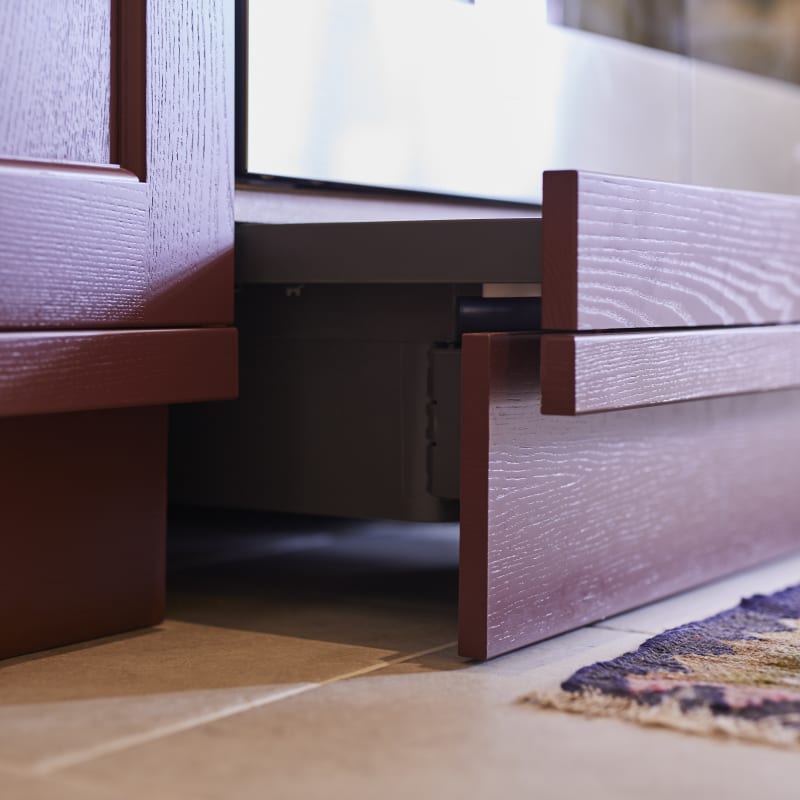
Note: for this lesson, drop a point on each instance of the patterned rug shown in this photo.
(735, 674)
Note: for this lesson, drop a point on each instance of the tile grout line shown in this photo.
(603, 627)
(48, 766)
(384, 664)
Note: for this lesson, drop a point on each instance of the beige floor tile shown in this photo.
(294, 742)
(42, 737)
(247, 621)
(435, 727)
(195, 709)
(267, 610)
(26, 787)
(176, 657)
(376, 590)
(708, 600)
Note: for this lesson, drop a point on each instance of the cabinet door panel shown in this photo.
(55, 88)
(100, 254)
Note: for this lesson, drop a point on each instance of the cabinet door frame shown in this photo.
(146, 240)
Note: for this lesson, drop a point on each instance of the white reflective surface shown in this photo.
(478, 99)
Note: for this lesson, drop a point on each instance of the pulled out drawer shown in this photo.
(604, 467)
(566, 520)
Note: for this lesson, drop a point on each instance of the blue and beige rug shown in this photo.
(736, 674)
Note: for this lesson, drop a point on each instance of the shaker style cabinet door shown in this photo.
(115, 203)
(115, 164)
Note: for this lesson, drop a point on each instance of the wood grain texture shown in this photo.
(84, 506)
(73, 242)
(588, 516)
(91, 246)
(184, 274)
(55, 79)
(190, 96)
(46, 373)
(627, 253)
(602, 372)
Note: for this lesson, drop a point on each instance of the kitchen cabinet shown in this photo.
(116, 291)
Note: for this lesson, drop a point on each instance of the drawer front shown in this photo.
(626, 253)
(567, 520)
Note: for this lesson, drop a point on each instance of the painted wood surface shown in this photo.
(602, 372)
(185, 273)
(190, 96)
(569, 520)
(83, 501)
(46, 373)
(91, 246)
(55, 79)
(628, 253)
(74, 242)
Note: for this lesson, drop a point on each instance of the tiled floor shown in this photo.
(313, 658)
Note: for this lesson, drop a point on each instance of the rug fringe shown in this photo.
(667, 714)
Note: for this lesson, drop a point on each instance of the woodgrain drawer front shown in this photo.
(627, 253)
(567, 520)
(589, 372)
